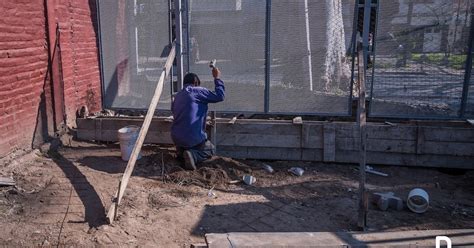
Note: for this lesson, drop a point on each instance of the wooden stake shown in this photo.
(361, 120)
(141, 137)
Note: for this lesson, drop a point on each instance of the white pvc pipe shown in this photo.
(308, 43)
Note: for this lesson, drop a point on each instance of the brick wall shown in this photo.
(80, 62)
(25, 87)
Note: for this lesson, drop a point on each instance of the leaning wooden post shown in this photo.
(361, 121)
(141, 138)
(214, 130)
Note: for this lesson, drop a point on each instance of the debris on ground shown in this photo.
(387, 200)
(370, 169)
(268, 168)
(248, 179)
(211, 193)
(6, 181)
(297, 171)
(418, 200)
(298, 120)
(232, 121)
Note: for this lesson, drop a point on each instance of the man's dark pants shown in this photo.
(200, 152)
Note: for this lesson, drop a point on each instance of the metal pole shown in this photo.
(179, 42)
(267, 55)
(374, 47)
(468, 71)
(101, 62)
(366, 31)
(188, 26)
(353, 51)
(170, 41)
(308, 44)
(135, 12)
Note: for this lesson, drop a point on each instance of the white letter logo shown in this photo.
(438, 241)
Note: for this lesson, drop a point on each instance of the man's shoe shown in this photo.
(189, 163)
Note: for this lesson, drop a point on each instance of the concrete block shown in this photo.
(387, 200)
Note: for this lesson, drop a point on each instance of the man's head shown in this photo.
(191, 79)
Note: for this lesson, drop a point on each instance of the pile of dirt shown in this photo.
(215, 172)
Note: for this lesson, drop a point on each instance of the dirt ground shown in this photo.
(61, 198)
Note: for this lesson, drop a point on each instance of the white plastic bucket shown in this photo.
(127, 137)
(418, 200)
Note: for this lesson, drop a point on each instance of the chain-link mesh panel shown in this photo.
(134, 46)
(310, 66)
(421, 49)
(233, 33)
(469, 110)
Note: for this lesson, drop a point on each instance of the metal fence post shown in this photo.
(179, 41)
(188, 25)
(468, 69)
(267, 55)
(170, 40)
(353, 52)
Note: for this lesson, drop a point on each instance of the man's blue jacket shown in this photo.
(190, 111)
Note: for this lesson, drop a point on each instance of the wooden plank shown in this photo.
(379, 145)
(274, 153)
(444, 161)
(329, 134)
(154, 137)
(378, 158)
(233, 151)
(313, 136)
(311, 154)
(304, 135)
(420, 140)
(449, 134)
(98, 129)
(259, 140)
(258, 128)
(448, 148)
(86, 123)
(378, 132)
(141, 137)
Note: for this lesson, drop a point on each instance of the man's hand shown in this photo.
(216, 73)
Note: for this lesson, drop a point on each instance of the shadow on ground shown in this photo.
(94, 209)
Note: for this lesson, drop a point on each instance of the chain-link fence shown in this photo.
(134, 39)
(233, 33)
(286, 56)
(310, 66)
(421, 50)
(294, 56)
